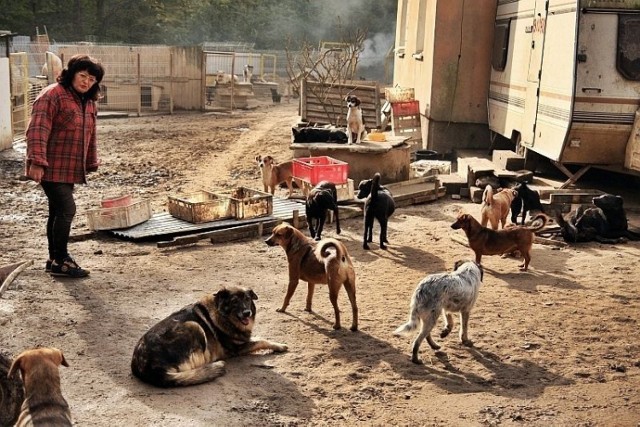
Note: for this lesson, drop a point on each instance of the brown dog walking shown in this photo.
(327, 262)
(485, 241)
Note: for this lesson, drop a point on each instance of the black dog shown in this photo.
(527, 200)
(378, 204)
(606, 222)
(320, 199)
(311, 134)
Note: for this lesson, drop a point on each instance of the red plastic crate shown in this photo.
(408, 108)
(321, 168)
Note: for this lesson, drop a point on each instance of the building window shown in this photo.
(402, 37)
(500, 45)
(420, 34)
(628, 50)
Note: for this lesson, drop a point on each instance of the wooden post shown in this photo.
(295, 219)
(233, 75)
(139, 87)
(170, 83)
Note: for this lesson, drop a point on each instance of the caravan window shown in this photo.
(500, 45)
(628, 57)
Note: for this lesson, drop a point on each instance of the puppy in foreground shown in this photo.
(485, 241)
(321, 198)
(443, 293)
(378, 204)
(44, 404)
(188, 346)
(327, 262)
(273, 174)
(355, 120)
(495, 206)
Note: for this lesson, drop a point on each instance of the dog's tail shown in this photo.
(487, 195)
(199, 375)
(412, 323)
(330, 243)
(541, 219)
(375, 186)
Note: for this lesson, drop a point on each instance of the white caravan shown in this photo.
(565, 80)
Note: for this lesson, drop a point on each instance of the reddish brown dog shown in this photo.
(495, 206)
(44, 403)
(273, 174)
(485, 241)
(327, 262)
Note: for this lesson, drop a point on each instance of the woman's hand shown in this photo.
(36, 172)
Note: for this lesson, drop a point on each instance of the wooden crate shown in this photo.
(202, 206)
(119, 217)
(249, 203)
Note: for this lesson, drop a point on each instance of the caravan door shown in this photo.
(537, 31)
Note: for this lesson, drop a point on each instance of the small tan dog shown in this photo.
(485, 241)
(273, 174)
(327, 262)
(495, 206)
(43, 403)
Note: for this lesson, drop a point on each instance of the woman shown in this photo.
(61, 149)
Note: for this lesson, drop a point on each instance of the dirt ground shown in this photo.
(557, 345)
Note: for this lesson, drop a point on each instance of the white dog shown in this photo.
(355, 121)
(444, 293)
(247, 73)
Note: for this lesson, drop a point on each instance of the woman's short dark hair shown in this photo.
(86, 63)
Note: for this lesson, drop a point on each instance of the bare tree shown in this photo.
(329, 66)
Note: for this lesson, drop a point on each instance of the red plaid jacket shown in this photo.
(62, 135)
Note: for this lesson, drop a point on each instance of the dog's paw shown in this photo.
(354, 327)
(417, 361)
(365, 246)
(445, 332)
(281, 309)
(467, 343)
(279, 348)
(336, 326)
(383, 246)
(317, 238)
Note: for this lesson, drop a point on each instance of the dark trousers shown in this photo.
(62, 209)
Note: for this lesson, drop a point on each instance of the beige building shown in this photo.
(443, 51)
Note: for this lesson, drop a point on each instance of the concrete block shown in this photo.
(476, 194)
(507, 159)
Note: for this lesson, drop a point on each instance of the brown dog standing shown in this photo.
(485, 241)
(495, 206)
(44, 403)
(273, 174)
(316, 264)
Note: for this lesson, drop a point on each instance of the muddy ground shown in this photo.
(557, 345)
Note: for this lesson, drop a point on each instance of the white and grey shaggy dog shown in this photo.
(444, 293)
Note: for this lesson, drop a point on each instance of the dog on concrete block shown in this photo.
(443, 294)
(321, 199)
(328, 262)
(378, 205)
(44, 404)
(355, 120)
(189, 346)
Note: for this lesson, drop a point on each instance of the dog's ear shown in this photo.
(63, 361)
(458, 264)
(252, 294)
(258, 158)
(220, 295)
(295, 131)
(17, 364)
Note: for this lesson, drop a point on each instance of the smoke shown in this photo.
(371, 64)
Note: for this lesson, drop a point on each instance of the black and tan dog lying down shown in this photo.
(605, 222)
(189, 346)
